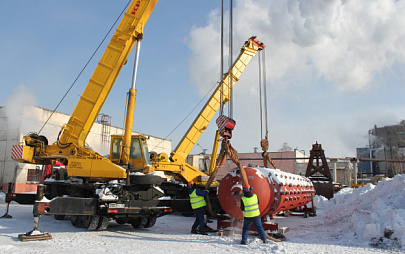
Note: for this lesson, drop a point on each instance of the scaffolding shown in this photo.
(105, 121)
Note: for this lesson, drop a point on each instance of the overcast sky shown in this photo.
(334, 68)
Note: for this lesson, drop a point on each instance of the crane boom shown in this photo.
(106, 72)
(191, 137)
(70, 147)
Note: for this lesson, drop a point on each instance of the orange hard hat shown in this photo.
(246, 187)
(191, 183)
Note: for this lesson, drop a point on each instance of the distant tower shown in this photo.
(318, 172)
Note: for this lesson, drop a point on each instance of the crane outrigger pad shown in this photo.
(34, 235)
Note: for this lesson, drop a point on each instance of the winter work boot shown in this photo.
(208, 229)
(194, 231)
(202, 232)
(264, 240)
(243, 242)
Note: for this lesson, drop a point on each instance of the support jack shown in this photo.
(9, 198)
(35, 234)
(6, 215)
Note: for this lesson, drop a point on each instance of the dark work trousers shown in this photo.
(199, 217)
(247, 222)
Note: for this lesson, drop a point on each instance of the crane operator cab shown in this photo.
(138, 155)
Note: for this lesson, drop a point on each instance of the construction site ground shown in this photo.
(352, 222)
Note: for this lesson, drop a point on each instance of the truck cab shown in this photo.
(138, 155)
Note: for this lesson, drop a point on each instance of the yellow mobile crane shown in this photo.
(70, 148)
(89, 195)
(98, 189)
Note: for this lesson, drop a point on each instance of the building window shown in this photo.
(33, 174)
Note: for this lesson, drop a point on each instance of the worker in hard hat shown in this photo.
(199, 207)
(250, 206)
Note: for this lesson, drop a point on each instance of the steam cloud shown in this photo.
(341, 45)
(344, 42)
(16, 104)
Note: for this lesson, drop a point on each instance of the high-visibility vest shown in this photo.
(196, 201)
(251, 206)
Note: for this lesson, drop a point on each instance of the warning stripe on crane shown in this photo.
(222, 121)
(17, 151)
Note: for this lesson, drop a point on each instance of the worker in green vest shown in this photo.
(199, 207)
(250, 206)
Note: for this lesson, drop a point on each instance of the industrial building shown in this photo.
(386, 151)
(14, 124)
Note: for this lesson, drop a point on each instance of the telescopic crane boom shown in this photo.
(177, 164)
(70, 147)
(223, 90)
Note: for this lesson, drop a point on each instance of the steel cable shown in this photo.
(85, 66)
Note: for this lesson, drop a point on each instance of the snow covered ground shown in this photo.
(349, 223)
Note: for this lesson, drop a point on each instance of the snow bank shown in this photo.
(373, 213)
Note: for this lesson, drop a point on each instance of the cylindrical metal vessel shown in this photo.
(277, 191)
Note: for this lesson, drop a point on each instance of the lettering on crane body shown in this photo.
(136, 7)
(76, 165)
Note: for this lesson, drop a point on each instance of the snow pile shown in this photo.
(373, 214)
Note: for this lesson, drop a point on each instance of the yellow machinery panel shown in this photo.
(95, 169)
(22, 153)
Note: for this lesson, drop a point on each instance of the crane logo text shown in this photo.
(136, 7)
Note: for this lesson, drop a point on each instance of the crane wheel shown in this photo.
(139, 222)
(103, 223)
(91, 222)
(151, 222)
(77, 220)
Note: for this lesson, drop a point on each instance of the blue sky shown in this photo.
(334, 68)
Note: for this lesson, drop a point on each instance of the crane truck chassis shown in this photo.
(92, 205)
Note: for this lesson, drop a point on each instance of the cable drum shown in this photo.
(277, 191)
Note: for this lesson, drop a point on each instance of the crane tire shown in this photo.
(151, 222)
(91, 222)
(76, 220)
(139, 222)
(103, 223)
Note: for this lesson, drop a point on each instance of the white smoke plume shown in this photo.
(16, 104)
(345, 42)
(336, 46)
